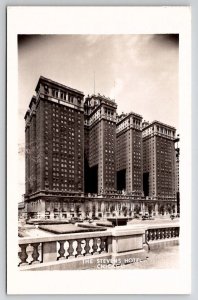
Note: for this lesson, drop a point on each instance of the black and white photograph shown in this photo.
(100, 182)
(99, 152)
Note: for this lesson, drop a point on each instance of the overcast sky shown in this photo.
(139, 71)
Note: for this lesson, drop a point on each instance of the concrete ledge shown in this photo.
(124, 245)
(64, 237)
(81, 263)
(100, 262)
(160, 244)
(161, 226)
(121, 231)
(130, 257)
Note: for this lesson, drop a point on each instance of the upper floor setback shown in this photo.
(95, 108)
(53, 91)
(93, 102)
(127, 121)
(98, 107)
(158, 128)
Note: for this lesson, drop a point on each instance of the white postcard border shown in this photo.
(99, 20)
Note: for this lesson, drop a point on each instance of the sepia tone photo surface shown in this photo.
(99, 152)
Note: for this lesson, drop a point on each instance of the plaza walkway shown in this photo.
(167, 258)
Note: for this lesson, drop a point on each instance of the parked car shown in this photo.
(172, 216)
(96, 218)
(72, 221)
(76, 219)
(136, 216)
(80, 220)
(146, 216)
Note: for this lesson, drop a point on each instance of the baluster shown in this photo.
(177, 231)
(87, 247)
(154, 234)
(61, 251)
(79, 248)
(83, 243)
(166, 233)
(173, 232)
(95, 246)
(103, 247)
(23, 255)
(70, 250)
(162, 233)
(150, 235)
(158, 234)
(91, 246)
(35, 253)
(170, 233)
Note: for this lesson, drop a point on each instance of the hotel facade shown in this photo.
(82, 159)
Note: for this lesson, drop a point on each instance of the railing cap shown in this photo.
(63, 237)
(160, 226)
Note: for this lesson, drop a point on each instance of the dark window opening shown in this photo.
(121, 180)
(91, 178)
(146, 184)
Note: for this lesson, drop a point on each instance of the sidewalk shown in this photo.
(167, 258)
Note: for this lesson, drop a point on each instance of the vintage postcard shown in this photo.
(99, 150)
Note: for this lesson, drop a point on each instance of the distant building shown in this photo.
(129, 162)
(177, 180)
(22, 210)
(159, 164)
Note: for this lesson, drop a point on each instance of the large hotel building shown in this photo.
(129, 161)
(159, 163)
(100, 144)
(83, 159)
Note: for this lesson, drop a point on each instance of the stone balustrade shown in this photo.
(158, 235)
(53, 248)
(161, 233)
(67, 251)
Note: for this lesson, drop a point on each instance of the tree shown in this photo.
(77, 208)
(93, 210)
(87, 210)
(137, 208)
(161, 209)
(169, 209)
(150, 209)
(125, 210)
(112, 208)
